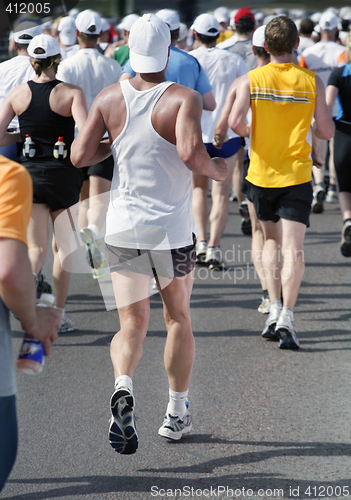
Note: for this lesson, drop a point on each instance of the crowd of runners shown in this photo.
(135, 124)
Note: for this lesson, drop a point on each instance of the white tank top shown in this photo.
(151, 193)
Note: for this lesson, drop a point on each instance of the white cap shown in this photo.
(171, 17)
(105, 25)
(127, 22)
(345, 13)
(328, 21)
(259, 16)
(183, 32)
(25, 32)
(149, 40)
(258, 36)
(89, 22)
(222, 15)
(206, 24)
(73, 12)
(316, 17)
(67, 31)
(45, 42)
(47, 25)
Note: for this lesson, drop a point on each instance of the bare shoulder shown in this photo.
(185, 94)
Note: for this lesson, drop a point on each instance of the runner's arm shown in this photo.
(237, 117)
(87, 148)
(323, 125)
(6, 115)
(190, 147)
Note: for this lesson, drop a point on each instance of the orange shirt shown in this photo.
(16, 195)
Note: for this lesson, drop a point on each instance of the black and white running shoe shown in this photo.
(122, 433)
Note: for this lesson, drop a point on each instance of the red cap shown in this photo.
(244, 12)
(60, 139)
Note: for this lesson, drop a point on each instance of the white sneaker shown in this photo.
(318, 198)
(214, 257)
(66, 323)
(286, 333)
(174, 428)
(201, 248)
(122, 432)
(265, 305)
(332, 196)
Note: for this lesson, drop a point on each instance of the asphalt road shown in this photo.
(267, 423)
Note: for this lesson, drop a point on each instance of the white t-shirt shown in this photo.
(222, 68)
(91, 71)
(69, 51)
(14, 72)
(229, 42)
(305, 42)
(322, 58)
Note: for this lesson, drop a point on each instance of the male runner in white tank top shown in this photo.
(155, 135)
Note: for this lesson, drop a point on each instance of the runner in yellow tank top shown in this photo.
(282, 102)
(284, 98)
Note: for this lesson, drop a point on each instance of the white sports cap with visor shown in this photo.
(149, 40)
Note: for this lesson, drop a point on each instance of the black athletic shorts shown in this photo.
(103, 169)
(58, 187)
(342, 157)
(291, 203)
(170, 264)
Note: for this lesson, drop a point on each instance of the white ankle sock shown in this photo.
(176, 403)
(95, 230)
(124, 381)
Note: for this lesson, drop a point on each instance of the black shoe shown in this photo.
(345, 245)
(42, 285)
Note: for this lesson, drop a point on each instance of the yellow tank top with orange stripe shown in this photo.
(282, 102)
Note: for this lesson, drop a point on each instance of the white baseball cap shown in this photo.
(89, 22)
(105, 25)
(222, 15)
(206, 24)
(67, 31)
(149, 40)
(171, 17)
(328, 21)
(127, 22)
(45, 42)
(258, 36)
(25, 32)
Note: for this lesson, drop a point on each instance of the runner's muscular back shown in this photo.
(174, 102)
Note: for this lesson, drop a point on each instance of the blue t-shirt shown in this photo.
(183, 69)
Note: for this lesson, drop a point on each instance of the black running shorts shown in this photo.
(291, 203)
(170, 264)
(342, 156)
(103, 169)
(58, 187)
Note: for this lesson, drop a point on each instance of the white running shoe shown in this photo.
(66, 323)
(286, 333)
(122, 432)
(214, 257)
(174, 428)
(95, 256)
(332, 196)
(265, 305)
(201, 248)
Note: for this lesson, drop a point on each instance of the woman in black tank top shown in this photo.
(47, 110)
